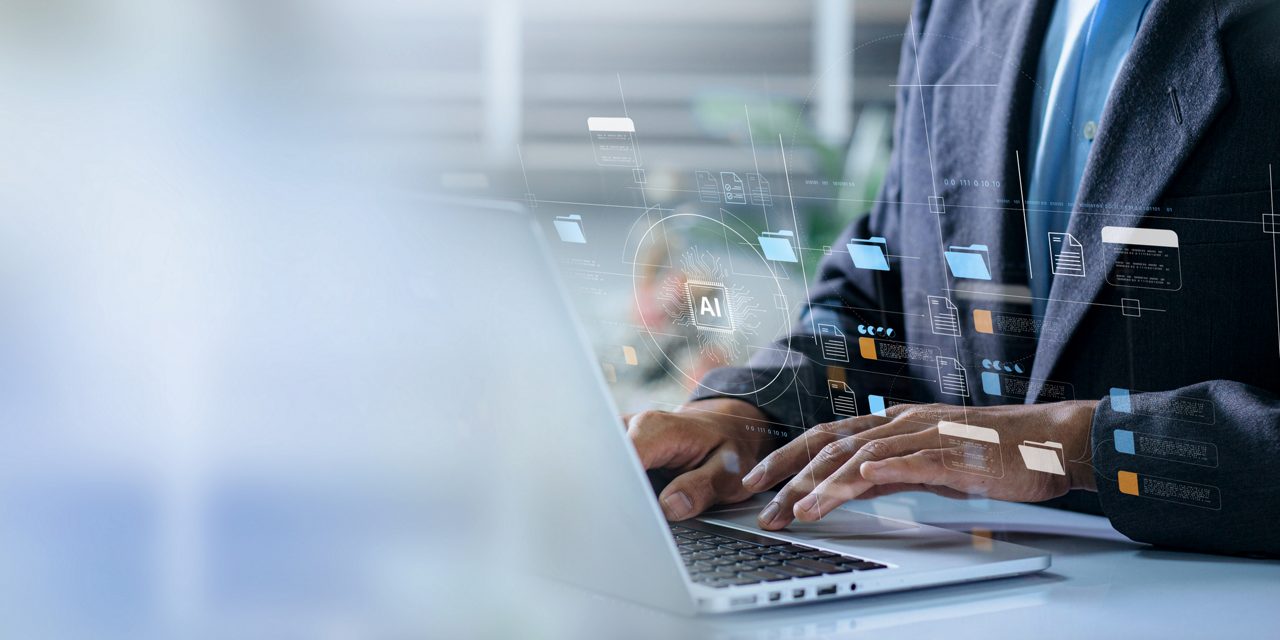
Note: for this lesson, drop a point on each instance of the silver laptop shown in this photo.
(579, 501)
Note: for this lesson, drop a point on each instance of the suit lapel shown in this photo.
(1004, 127)
(1142, 142)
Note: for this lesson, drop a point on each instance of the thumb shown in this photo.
(691, 493)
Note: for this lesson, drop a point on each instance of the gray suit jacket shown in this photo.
(1186, 362)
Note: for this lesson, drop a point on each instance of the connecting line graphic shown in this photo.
(924, 117)
(1275, 264)
(804, 273)
(520, 155)
(1026, 232)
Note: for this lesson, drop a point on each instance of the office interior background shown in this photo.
(507, 109)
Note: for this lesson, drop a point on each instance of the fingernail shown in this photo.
(677, 505)
(753, 477)
(868, 467)
(810, 501)
(767, 515)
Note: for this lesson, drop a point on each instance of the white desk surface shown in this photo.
(1101, 585)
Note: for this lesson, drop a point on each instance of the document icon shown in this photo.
(832, 342)
(1068, 255)
(869, 253)
(758, 190)
(951, 377)
(843, 401)
(708, 188)
(971, 448)
(734, 192)
(944, 318)
(570, 229)
(972, 262)
(1042, 456)
(777, 246)
(614, 141)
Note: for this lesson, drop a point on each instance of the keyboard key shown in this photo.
(760, 576)
(864, 565)
(757, 551)
(794, 572)
(817, 565)
(738, 545)
(712, 575)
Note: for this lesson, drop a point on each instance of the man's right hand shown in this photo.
(710, 443)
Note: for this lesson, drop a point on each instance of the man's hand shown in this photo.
(870, 456)
(710, 443)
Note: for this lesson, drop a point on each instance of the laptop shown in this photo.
(575, 495)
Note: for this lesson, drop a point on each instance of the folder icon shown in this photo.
(970, 262)
(1042, 456)
(869, 253)
(777, 246)
(570, 229)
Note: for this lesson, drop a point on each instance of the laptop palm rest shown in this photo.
(840, 525)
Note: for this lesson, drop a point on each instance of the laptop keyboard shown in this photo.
(722, 557)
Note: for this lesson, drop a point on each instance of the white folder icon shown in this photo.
(1042, 456)
(570, 229)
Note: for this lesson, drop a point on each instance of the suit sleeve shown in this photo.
(1192, 468)
(788, 380)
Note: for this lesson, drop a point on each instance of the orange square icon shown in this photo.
(1128, 482)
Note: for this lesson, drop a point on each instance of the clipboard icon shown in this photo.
(569, 228)
(777, 246)
(871, 253)
(971, 262)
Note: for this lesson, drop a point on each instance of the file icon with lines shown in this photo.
(951, 377)
(843, 401)
(1067, 255)
(944, 318)
(832, 342)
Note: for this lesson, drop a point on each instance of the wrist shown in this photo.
(739, 417)
(1079, 455)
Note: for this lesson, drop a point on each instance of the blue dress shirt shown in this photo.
(1084, 47)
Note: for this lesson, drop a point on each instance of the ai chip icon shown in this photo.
(709, 306)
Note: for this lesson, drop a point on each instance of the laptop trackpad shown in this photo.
(841, 524)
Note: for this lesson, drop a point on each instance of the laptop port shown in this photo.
(742, 601)
(827, 591)
(797, 593)
(853, 587)
(775, 596)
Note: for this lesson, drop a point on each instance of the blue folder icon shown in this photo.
(777, 246)
(869, 253)
(569, 228)
(969, 262)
